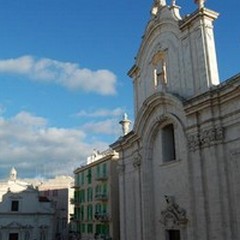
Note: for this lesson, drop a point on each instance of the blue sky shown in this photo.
(63, 76)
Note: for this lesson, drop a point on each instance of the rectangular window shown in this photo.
(82, 213)
(83, 228)
(90, 228)
(89, 194)
(82, 196)
(89, 176)
(13, 236)
(104, 208)
(98, 171)
(168, 143)
(89, 212)
(46, 193)
(173, 235)
(82, 176)
(55, 193)
(104, 189)
(105, 229)
(98, 209)
(15, 206)
(98, 228)
(104, 170)
(78, 227)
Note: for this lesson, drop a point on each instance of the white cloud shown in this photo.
(29, 144)
(117, 112)
(108, 127)
(66, 74)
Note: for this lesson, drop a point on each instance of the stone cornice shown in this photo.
(204, 12)
(125, 141)
(133, 71)
(224, 92)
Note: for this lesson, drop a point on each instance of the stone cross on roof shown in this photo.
(200, 3)
(160, 2)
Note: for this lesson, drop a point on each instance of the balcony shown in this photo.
(74, 218)
(102, 217)
(101, 197)
(102, 177)
(74, 202)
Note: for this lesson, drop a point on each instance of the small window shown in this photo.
(15, 206)
(98, 170)
(83, 228)
(89, 212)
(89, 176)
(168, 143)
(55, 193)
(82, 176)
(46, 193)
(89, 194)
(90, 228)
(104, 170)
(173, 235)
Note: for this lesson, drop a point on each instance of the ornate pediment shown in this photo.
(173, 216)
(16, 225)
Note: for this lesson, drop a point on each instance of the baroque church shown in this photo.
(179, 167)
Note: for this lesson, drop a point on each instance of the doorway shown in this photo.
(173, 235)
(13, 236)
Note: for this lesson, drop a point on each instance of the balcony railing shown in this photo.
(103, 217)
(74, 202)
(74, 218)
(101, 196)
(102, 177)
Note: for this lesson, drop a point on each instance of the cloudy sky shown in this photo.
(63, 82)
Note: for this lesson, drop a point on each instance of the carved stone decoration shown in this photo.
(173, 216)
(206, 138)
(137, 159)
(162, 119)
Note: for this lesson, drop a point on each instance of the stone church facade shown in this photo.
(179, 166)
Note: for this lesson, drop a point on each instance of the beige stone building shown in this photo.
(96, 214)
(179, 167)
(59, 190)
(24, 213)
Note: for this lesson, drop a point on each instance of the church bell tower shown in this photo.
(177, 54)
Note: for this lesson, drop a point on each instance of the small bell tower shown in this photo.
(177, 54)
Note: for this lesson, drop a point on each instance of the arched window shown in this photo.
(168, 143)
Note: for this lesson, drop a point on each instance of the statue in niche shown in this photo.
(160, 73)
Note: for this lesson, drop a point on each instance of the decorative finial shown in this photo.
(13, 174)
(200, 3)
(156, 5)
(161, 2)
(174, 2)
(125, 124)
